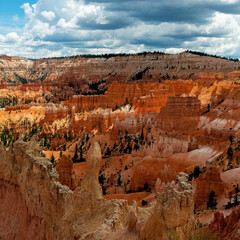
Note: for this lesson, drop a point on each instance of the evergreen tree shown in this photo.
(212, 201)
(70, 137)
(75, 157)
(230, 153)
(141, 136)
(236, 195)
(108, 152)
(229, 204)
(45, 141)
(81, 153)
(52, 159)
(230, 198)
(196, 171)
(119, 180)
(101, 179)
(87, 137)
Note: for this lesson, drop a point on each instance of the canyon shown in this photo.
(143, 146)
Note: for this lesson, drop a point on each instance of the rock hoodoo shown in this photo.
(173, 214)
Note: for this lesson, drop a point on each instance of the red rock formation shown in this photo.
(234, 74)
(66, 173)
(100, 122)
(147, 172)
(31, 202)
(180, 114)
(3, 84)
(204, 184)
(227, 227)
(207, 79)
(20, 107)
(35, 206)
(122, 94)
(173, 213)
(54, 112)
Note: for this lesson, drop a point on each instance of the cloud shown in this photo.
(27, 10)
(63, 27)
(49, 15)
(11, 37)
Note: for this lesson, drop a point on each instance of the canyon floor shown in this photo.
(142, 146)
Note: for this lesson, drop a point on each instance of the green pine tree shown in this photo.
(212, 201)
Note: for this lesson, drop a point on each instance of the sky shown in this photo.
(54, 28)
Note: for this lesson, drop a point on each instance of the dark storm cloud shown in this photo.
(233, 8)
(157, 11)
(113, 22)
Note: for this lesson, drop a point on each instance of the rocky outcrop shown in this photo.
(122, 94)
(94, 75)
(180, 114)
(100, 120)
(31, 199)
(35, 206)
(204, 184)
(3, 84)
(66, 173)
(227, 227)
(173, 214)
(54, 112)
(90, 215)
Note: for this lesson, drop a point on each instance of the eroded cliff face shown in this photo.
(227, 226)
(66, 173)
(148, 130)
(80, 73)
(35, 205)
(172, 216)
(31, 198)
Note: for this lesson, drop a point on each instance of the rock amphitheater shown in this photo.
(138, 147)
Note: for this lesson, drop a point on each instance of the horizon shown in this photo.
(38, 29)
(109, 55)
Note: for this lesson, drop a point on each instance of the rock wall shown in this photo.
(54, 112)
(66, 173)
(227, 228)
(204, 184)
(77, 74)
(31, 201)
(173, 214)
(35, 206)
(180, 114)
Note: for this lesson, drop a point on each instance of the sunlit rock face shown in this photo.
(173, 214)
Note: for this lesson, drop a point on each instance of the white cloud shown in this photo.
(11, 38)
(60, 27)
(175, 50)
(27, 10)
(228, 26)
(49, 15)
